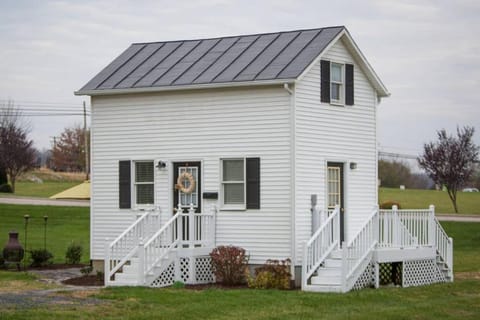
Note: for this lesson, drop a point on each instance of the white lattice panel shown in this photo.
(366, 279)
(421, 272)
(203, 270)
(184, 269)
(166, 278)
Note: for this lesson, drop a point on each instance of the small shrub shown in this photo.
(86, 270)
(6, 188)
(387, 205)
(41, 257)
(274, 274)
(229, 264)
(74, 253)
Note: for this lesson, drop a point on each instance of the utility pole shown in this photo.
(85, 141)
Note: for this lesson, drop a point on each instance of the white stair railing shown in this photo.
(125, 246)
(186, 230)
(357, 253)
(322, 242)
(444, 246)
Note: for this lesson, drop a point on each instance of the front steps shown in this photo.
(328, 277)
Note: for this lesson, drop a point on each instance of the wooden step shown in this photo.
(326, 280)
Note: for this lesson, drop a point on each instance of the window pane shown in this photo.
(233, 193)
(143, 171)
(336, 72)
(335, 94)
(144, 194)
(232, 170)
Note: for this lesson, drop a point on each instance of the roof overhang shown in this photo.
(374, 79)
(104, 92)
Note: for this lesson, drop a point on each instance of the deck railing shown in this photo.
(125, 246)
(406, 228)
(322, 242)
(357, 253)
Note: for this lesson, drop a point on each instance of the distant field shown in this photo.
(44, 183)
(468, 202)
(65, 224)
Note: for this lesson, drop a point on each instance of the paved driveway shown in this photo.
(45, 202)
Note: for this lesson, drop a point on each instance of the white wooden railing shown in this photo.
(358, 252)
(322, 242)
(393, 231)
(185, 230)
(444, 246)
(125, 246)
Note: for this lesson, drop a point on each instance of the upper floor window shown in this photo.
(337, 83)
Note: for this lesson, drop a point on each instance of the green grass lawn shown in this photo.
(41, 190)
(460, 299)
(65, 224)
(468, 202)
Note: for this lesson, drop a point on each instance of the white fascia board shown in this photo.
(183, 87)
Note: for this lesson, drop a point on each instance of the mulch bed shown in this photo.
(57, 266)
(87, 280)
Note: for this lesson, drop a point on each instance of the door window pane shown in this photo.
(333, 186)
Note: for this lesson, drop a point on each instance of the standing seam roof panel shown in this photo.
(167, 64)
(113, 67)
(287, 55)
(206, 61)
(264, 59)
(245, 58)
(149, 64)
(130, 66)
(306, 57)
(187, 61)
(226, 59)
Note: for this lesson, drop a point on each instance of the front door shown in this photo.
(335, 192)
(187, 198)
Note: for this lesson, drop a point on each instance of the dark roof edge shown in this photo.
(241, 35)
(220, 85)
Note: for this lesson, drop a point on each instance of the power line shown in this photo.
(396, 155)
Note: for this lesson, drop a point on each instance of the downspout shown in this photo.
(292, 180)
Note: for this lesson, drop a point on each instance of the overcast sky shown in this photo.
(426, 52)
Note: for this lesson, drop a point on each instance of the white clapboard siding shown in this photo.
(202, 125)
(334, 133)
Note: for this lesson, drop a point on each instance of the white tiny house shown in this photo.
(198, 143)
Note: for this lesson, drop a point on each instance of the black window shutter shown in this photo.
(124, 178)
(253, 183)
(349, 84)
(325, 81)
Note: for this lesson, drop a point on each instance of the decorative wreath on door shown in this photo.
(181, 178)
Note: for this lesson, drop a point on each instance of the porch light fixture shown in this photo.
(353, 165)
(161, 164)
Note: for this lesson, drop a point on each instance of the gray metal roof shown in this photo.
(259, 57)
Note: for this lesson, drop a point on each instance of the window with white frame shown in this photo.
(144, 182)
(336, 83)
(233, 183)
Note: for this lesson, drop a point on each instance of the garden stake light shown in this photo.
(45, 218)
(26, 217)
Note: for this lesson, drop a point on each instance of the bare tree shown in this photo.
(450, 161)
(17, 154)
